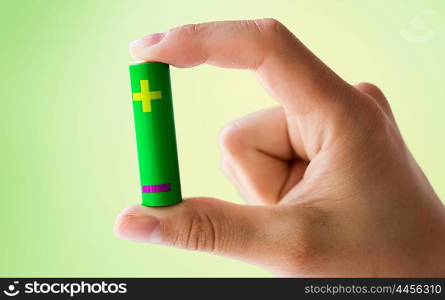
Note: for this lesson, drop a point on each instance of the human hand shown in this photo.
(334, 189)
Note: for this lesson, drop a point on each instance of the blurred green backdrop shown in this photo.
(68, 157)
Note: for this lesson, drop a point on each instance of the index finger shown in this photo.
(290, 72)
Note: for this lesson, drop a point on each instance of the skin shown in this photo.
(331, 186)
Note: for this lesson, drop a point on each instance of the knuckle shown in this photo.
(197, 231)
(370, 89)
(375, 92)
(272, 28)
(369, 86)
(231, 138)
(272, 36)
(368, 112)
(189, 29)
(270, 24)
(374, 117)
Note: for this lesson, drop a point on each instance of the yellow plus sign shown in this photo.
(146, 96)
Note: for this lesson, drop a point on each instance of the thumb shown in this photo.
(204, 224)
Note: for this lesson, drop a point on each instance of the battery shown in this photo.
(155, 134)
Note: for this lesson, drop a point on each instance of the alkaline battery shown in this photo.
(155, 134)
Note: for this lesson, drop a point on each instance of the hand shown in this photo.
(335, 191)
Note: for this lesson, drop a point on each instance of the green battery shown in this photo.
(155, 134)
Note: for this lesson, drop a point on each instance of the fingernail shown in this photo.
(147, 41)
(139, 229)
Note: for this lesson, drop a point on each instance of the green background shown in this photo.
(68, 153)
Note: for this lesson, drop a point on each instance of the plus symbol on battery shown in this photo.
(146, 96)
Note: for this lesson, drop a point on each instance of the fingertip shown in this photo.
(131, 210)
(140, 46)
(135, 225)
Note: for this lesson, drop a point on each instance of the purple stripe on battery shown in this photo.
(157, 188)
